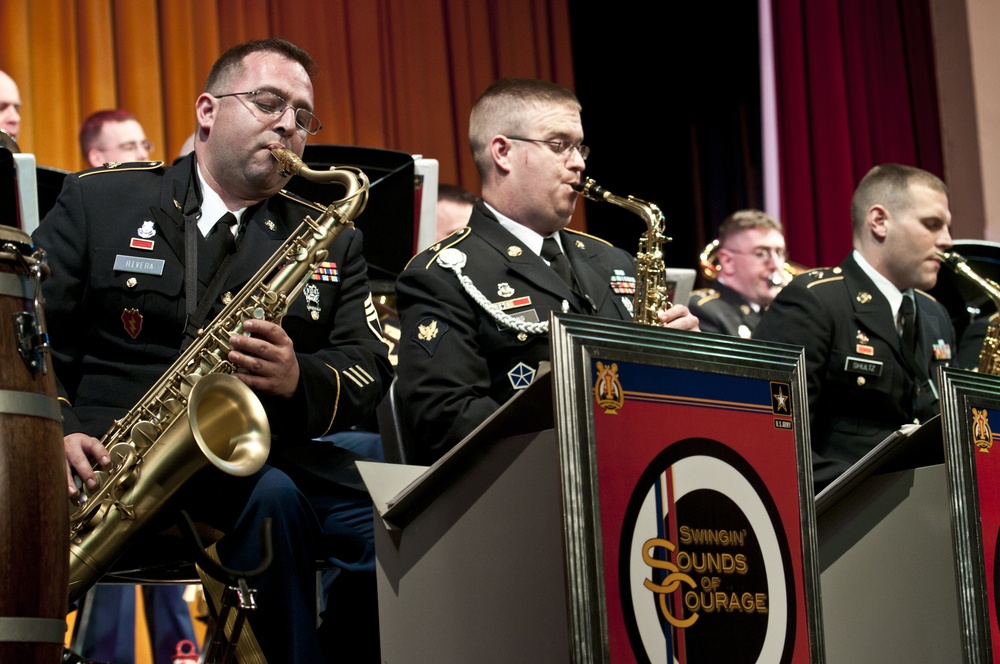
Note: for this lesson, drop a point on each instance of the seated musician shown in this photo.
(873, 337)
(469, 344)
(750, 255)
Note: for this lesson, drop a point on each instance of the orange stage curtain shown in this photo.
(396, 74)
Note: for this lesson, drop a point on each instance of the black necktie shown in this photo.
(218, 243)
(908, 326)
(557, 260)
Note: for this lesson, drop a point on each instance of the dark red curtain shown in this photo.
(856, 87)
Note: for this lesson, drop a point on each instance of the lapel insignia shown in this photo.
(504, 289)
(941, 350)
(514, 251)
(580, 245)
(864, 297)
(745, 309)
(326, 271)
(147, 230)
(521, 376)
(862, 349)
(178, 206)
(311, 293)
(513, 303)
(621, 283)
(132, 322)
(270, 225)
(862, 337)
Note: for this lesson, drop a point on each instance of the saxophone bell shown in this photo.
(989, 353)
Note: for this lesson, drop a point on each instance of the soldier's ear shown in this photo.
(206, 109)
(500, 151)
(876, 220)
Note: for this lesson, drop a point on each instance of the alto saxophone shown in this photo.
(651, 293)
(989, 353)
(198, 413)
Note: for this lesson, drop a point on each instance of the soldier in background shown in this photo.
(751, 255)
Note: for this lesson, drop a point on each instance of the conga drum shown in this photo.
(34, 519)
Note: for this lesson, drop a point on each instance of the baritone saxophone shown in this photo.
(989, 352)
(651, 292)
(198, 413)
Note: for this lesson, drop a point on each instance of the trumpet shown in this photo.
(708, 261)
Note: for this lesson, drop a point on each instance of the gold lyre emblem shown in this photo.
(608, 389)
(982, 436)
(428, 332)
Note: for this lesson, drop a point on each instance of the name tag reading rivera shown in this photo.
(138, 265)
(863, 365)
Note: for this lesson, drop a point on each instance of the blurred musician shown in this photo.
(749, 269)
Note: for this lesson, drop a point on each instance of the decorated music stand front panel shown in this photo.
(692, 471)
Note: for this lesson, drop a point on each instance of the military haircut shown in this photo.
(889, 185)
(506, 107)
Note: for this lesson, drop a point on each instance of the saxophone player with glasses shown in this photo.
(475, 305)
(144, 256)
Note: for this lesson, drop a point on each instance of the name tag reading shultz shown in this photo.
(862, 365)
(139, 265)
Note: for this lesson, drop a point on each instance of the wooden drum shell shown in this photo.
(34, 517)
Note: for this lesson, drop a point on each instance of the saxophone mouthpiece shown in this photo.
(591, 190)
(950, 258)
(288, 162)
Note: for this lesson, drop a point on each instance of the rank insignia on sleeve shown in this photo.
(941, 350)
(521, 376)
(429, 333)
(132, 322)
(326, 271)
(622, 284)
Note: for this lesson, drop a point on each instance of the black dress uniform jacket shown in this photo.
(724, 311)
(860, 387)
(115, 306)
(457, 364)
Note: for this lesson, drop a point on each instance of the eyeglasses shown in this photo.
(133, 146)
(559, 147)
(763, 253)
(272, 104)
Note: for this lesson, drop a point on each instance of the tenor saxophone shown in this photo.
(651, 292)
(989, 352)
(198, 413)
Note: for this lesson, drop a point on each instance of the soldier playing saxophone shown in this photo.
(140, 269)
(473, 307)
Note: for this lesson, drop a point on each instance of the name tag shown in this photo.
(529, 316)
(139, 265)
(863, 365)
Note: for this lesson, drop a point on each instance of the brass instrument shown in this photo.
(708, 261)
(7, 141)
(198, 413)
(989, 360)
(651, 294)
